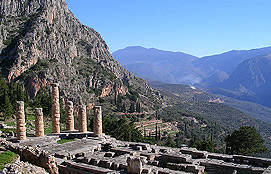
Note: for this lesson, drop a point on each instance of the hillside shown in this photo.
(42, 42)
(254, 84)
(214, 119)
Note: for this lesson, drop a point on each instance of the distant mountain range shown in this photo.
(154, 64)
(250, 81)
(241, 74)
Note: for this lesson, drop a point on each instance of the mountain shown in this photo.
(42, 42)
(181, 68)
(165, 66)
(228, 61)
(250, 81)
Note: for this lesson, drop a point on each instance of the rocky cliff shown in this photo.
(42, 42)
(251, 80)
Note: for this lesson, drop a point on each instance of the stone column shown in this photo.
(69, 116)
(55, 109)
(82, 118)
(97, 120)
(39, 122)
(20, 117)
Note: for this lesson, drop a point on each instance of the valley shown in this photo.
(68, 105)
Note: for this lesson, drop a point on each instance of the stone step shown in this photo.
(81, 167)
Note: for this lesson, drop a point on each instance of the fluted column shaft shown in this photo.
(82, 118)
(39, 126)
(20, 118)
(55, 109)
(69, 116)
(97, 120)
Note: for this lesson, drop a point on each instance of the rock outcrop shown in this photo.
(41, 42)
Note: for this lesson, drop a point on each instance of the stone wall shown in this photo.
(32, 155)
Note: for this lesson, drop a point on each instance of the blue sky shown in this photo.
(197, 27)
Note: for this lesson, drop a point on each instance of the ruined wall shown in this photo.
(32, 155)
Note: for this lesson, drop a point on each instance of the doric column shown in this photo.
(20, 117)
(82, 118)
(69, 116)
(97, 120)
(39, 122)
(55, 108)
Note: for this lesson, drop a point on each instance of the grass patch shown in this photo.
(48, 128)
(62, 141)
(6, 157)
(8, 130)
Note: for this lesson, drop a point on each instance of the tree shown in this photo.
(138, 107)
(132, 108)
(122, 129)
(123, 108)
(245, 141)
(206, 145)
(119, 103)
(6, 105)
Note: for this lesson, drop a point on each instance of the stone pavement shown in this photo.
(90, 153)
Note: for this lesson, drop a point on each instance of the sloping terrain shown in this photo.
(251, 80)
(220, 119)
(42, 42)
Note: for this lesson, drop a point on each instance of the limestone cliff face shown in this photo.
(42, 42)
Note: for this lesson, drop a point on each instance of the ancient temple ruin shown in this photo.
(94, 152)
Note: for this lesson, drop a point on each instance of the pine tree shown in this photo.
(123, 108)
(6, 105)
(156, 132)
(132, 108)
(245, 141)
(119, 103)
(159, 137)
(20, 93)
(144, 132)
(138, 107)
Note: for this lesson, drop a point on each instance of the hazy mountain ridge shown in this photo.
(252, 80)
(167, 66)
(207, 72)
(228, 61)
